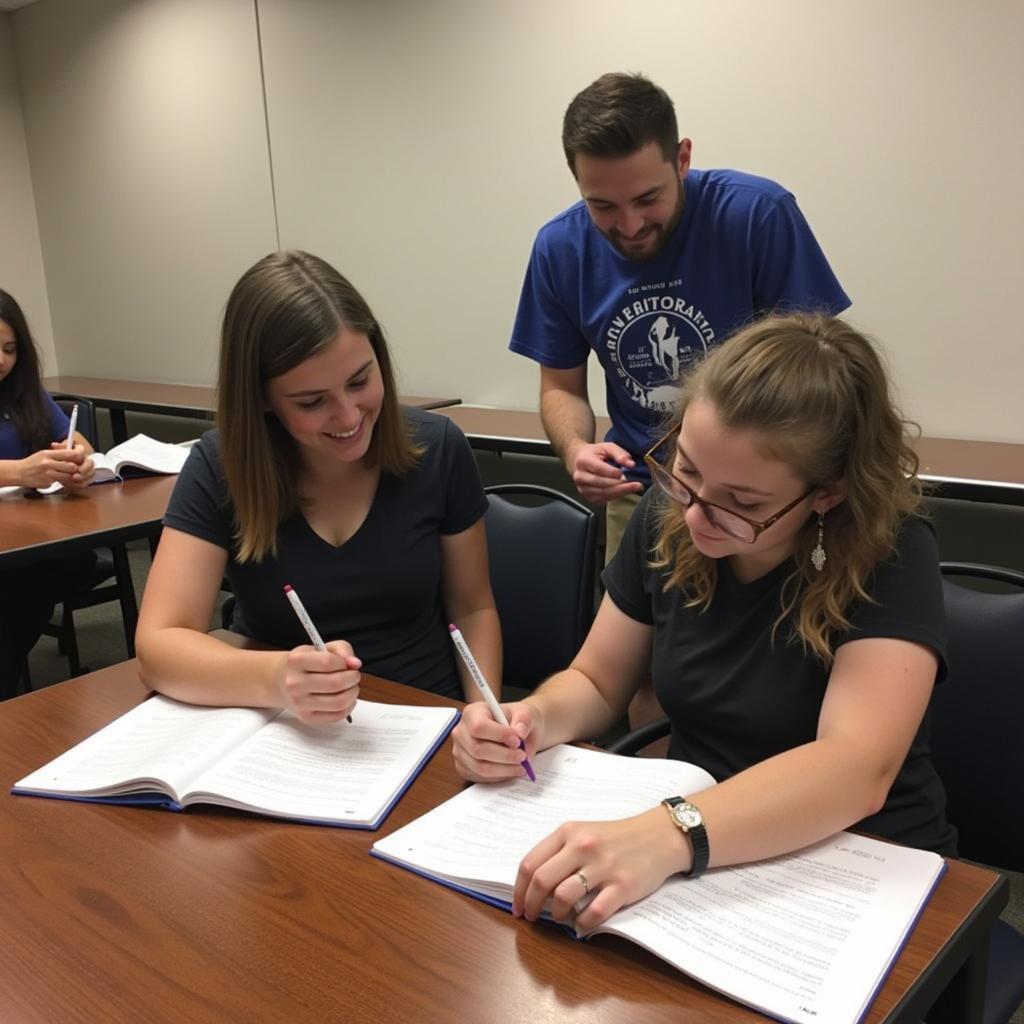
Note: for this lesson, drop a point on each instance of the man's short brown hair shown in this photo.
(617, 115)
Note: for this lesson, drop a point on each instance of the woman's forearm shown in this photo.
(789, 801)
(481, 630)
(201, 669)
(572, 708)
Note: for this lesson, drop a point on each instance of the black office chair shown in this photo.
(111, 563)
(977, 718)
(542, 547)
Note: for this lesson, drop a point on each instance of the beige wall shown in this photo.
(416, 145)
(21, 258)
(149, 160)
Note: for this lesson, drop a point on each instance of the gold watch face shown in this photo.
(687, 816)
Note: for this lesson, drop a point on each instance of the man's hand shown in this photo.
(597, 471)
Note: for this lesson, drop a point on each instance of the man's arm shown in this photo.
(596, 469)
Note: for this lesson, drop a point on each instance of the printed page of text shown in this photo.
(482, 834)
(160, 740)
(340, 772)
(807, 937)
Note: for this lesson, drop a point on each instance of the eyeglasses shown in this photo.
(732, 523)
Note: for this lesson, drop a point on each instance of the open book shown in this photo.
(138, 456)
(138, 453)
(805, 937)
(172, 754)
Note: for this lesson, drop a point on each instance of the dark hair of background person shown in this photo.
(618, 115)
(21, 393)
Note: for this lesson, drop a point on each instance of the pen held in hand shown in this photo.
(72, 427)
(481, 684)
(307, 623)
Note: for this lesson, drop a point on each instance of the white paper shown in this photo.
(484, 832)
(807, 937)
(344, 771)
(160, 740)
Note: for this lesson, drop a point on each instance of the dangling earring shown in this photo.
(818, 556)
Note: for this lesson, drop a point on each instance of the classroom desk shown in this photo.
(969, 470)
(192, 401)
(56, 524)
(133, 914)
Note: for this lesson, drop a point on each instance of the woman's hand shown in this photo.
(85, 470)
(486, 751)
(320, 687)
(55, 465)
(591, 869)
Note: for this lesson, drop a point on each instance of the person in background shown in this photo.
(781, 589)
(655, 265)
(317, 478)
(33, 454)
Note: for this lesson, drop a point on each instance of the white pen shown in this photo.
(72, 426)
(307, 623)
(488, 695)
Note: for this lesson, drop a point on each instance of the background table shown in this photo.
(136, 914)
(971, 470)
(192, 401)
(56, 524)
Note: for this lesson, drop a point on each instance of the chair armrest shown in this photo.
(639, 738)
(986, 572)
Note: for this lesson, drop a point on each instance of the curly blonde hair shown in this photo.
(817, 394)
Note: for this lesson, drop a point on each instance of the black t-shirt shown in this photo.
(736, 698)
(381, 589)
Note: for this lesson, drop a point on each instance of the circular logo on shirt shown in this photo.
(652, 342)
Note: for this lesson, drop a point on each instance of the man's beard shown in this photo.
(660, 233)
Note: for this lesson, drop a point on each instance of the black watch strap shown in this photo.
(698, 836)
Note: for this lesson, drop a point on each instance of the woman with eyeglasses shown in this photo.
(779, 588)
(317, 479)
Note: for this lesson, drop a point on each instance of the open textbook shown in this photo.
(137, 453)
(171, 754)
(808, 937)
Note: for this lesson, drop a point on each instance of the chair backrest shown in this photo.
(86, 415)
(543, 565)
(977, 723)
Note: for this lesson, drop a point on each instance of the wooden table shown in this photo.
(192, 401)
(971, 470)
(132, 914)
(59, 524)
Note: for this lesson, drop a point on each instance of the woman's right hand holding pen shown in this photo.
(486, 751)
(320, 687)
(42, 468)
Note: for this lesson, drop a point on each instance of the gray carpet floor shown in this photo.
(101, 643)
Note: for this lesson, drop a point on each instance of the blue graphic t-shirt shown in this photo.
(741, 247)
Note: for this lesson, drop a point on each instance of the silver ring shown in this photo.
(583, 881)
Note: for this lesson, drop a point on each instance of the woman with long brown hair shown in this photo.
(783, 593)
(317, 478)
(33, 454)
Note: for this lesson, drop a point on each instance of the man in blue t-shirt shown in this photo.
(654, 265)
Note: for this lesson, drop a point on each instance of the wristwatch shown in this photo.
(688, 820)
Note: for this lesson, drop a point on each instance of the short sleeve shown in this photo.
(790, 270)
(465, 501)
(906, 595)
(627, 578)
(199, 503)
(543, 329)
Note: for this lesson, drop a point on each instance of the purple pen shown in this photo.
(481, 684)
